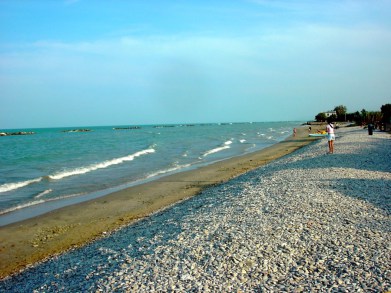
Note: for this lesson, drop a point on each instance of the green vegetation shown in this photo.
(321, 117)
(380, 118)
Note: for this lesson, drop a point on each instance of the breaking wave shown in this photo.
(102, 165)
(37, 202)
(219, 149)
(12, 186)
(168, 170)
(78, 171)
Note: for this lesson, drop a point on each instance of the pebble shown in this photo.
(303, 223)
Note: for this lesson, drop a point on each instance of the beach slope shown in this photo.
(306, 222)
(35, 239)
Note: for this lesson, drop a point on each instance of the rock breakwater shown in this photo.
(16, 133)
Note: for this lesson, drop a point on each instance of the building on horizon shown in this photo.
(330, 113)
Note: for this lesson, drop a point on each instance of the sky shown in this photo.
(95, 62)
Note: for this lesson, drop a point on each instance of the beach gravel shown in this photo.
(306, 222)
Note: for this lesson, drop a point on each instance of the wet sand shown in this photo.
(35, 239)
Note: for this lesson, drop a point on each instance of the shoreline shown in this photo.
(40, 191)
(35, 239)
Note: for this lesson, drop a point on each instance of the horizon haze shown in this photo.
(80, 62)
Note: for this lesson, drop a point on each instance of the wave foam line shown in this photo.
(11, 186)
(219, 149)
(102, 165)
(169, 170)
(43, 193)
(37, 202)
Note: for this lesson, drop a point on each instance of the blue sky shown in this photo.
(85, 63)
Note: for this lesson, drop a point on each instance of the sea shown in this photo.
(56, 167)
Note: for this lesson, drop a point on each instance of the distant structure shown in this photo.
(77, 130)
(16, 133)
(329, 113)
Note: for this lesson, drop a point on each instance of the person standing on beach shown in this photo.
(330, 136)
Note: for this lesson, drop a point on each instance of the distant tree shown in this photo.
(341, 112)
(332, 117)
(321, 117)
(364, 115)
(374, 117)
(356, 117)
(371, 116)
(386, 111)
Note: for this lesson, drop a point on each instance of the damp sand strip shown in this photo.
(33, 240)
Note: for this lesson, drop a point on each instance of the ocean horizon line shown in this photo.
(150, 124)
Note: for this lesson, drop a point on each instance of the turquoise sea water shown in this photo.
(52, 166)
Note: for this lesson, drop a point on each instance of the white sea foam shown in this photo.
(101, 165)
(242, 141)
(12, 186)
(22, 206)
(219, 149)
(43, 193)
(168, 170)
(37, 202)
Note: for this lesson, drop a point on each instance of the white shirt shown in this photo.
(330, 129)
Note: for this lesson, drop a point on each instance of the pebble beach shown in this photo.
(306, 222)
